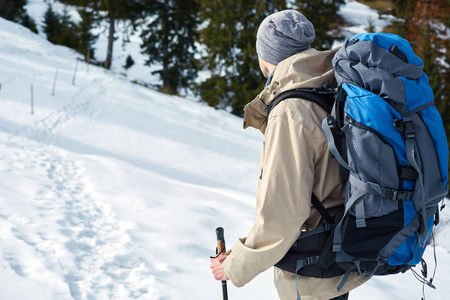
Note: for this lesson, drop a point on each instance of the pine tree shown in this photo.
(323, 14)
(60, 29)
(84, 32)
(112, 11)
(169, 40)
(29, 22)
(129, 62)
(229, 38)
(67, 34)
(52, 24)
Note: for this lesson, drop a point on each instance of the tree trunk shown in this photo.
(166, 85)
(110, 44)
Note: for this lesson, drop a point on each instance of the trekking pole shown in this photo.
(221, 249)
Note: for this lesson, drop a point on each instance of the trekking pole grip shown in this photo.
(220, 240)
(221, 249)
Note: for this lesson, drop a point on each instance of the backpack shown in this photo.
(390, 142)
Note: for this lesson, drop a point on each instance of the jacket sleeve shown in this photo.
(283, 200)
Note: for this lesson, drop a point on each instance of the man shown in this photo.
(295, 161)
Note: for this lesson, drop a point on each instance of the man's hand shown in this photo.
(217, 268)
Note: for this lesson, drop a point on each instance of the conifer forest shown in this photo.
(185, 37)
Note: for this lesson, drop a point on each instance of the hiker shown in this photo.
(295, 162)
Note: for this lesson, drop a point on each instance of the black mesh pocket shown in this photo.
(366, 242)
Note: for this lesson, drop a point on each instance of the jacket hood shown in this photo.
(307, 69)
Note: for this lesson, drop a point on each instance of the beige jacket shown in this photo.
(295, 161)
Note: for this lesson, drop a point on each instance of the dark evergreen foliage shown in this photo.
(61, 30)
(29, 22)
(323, 14)
(84, 31)
(52, 23)
(229, 37)
(129, 62)
(67, 33)
(169, 40)
(402, 7)
(12, 9)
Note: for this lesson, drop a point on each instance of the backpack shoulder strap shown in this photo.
(322, 97)
(325, 98)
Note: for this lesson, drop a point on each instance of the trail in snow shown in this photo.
(81, 241)
(83, 103)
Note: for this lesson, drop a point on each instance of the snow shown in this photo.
(357, 13)
(113, 191)
(359, 17)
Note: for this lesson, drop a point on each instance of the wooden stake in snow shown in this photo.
(54, 83)
(75, 72)
(32, 100)
(88, 58)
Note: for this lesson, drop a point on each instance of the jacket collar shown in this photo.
(307, 69)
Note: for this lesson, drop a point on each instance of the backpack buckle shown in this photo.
(405, 127)
(408, 130)
(399, 195)
(332, 123)
(391, 194)
(311, 260)
(404, 195)
(328, 227)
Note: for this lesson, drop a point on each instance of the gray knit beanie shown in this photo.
(282, 35)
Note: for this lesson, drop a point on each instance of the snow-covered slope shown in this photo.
(113, 191)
